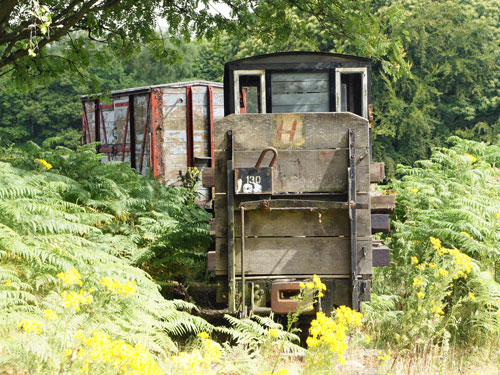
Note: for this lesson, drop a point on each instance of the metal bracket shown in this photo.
(231, 266)
(351, 170)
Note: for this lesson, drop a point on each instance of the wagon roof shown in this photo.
(302, 56)
(144, 89)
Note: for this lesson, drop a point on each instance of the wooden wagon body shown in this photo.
(167, 128)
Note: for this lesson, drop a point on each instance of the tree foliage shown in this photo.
(454, 87)
(29, 28)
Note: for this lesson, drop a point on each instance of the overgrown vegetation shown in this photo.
(62, 210)
(442, 290)
(77, 237)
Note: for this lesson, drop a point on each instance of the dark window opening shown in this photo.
(250, 94)
(351, 93)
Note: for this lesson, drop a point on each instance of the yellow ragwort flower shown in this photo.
(30, 326)
(414, 260)
(117, 287)
(472, 296)
(417, 282)
(50, 314)
(203, 335)
(436, 243)
(421, 295)
(44, 163)
(70, 277)
(273, 332)
(472, 158)
(74, 300)
(8, 282)
(443, 272)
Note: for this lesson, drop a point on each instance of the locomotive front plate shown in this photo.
(253, 180)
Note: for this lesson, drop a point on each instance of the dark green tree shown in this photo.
(454, 86)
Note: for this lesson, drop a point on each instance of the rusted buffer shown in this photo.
(306, 207)
(166, 128)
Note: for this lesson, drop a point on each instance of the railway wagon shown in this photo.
(292, 178)
(166, 128)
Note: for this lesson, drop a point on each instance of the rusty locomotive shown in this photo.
(287, 168)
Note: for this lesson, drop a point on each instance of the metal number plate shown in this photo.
(253, 180)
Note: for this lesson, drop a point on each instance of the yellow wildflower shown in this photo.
(414, 260)
(273, 332)
(332, 332)
(126, 359)
(44, 163)
(318, 284)
(68, 352)
(443, 272)
(472, 296)
(413, 190)
(117, 287)
(436, 243)
(279, 372)
(498, 215)
(432, 265)
(367, 339)
(385, 356)
(419, 308)
(472, 158)
(30, 326)
(466, 234)
(203, 335)
(50, 314)
(70, 277)
(211, 350)
(74, 299)
(417, 282)
(437, 310)
(420, 267)
(421, 295)
(8, 282)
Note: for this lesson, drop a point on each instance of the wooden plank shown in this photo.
(271, 223)
(301, 108)
(383, 204)
(211, 260)
(381, 223)
(381, 256)
(294, 77)
(296, 256)
(208, 177)
(377, 172)
(304, 98)
(302, 170)
(313, 131)
(278, 87)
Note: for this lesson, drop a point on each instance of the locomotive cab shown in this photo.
(296, 82)
(307, 208)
